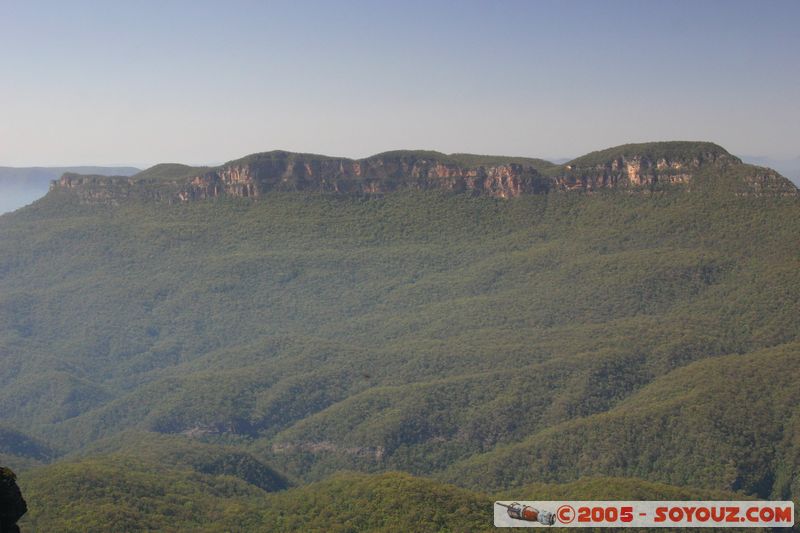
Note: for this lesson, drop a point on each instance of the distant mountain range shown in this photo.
(21, 185)
(635, 167)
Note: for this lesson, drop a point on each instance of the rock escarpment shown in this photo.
(638, 167)
(684, 164)
(376, 175)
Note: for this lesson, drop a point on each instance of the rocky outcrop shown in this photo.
(767, 181)
(631, 167)
(376, 175)
(371, 452)
(622, 172)
(113, 190)
(638, 170)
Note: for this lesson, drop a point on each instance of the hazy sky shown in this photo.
(142, 82)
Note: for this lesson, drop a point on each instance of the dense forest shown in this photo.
(342, 362)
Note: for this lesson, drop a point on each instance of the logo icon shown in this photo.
(517, 511)
(565, 514)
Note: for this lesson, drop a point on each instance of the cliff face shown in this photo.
(637, 171)
(112, 190)
(376, 175)
(623, 172)
(631, 167)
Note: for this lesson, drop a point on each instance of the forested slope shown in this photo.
(647, 334)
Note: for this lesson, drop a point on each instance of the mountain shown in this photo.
(734, 391)
(125, 494)
(788, 167)
(479, 324)
(647, 166)
(114, 492)
(20, 186)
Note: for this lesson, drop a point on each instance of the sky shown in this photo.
(138, 83)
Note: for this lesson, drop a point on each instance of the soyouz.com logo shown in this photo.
(643, 514)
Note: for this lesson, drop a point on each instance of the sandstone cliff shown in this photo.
(638, 167)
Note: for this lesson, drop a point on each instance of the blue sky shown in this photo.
(204, 82)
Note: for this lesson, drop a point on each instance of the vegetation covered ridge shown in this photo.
(631, 167)
(182, 365)
(123, 493)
